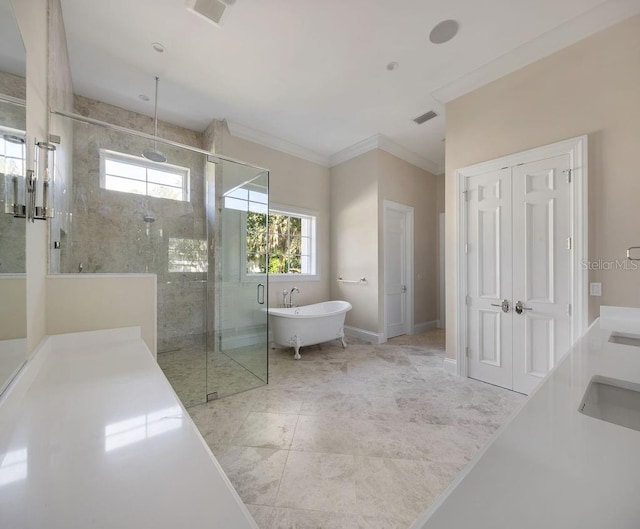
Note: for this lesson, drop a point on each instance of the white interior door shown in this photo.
(489, 281)
(518, 272)
(396, 265)
(541, 268)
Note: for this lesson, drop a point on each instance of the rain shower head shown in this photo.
(154, 154)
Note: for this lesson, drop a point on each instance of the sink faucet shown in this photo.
(294, 289)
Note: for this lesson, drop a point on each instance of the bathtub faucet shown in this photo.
(294, 289)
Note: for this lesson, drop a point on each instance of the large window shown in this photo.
(289, 240)
(133, 174)
(280, 240)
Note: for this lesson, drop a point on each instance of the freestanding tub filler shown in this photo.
(309, 325)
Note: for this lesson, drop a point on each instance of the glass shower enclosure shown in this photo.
(187, 220)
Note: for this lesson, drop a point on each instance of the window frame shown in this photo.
(289, 211)
(20, 134)
(184, 172)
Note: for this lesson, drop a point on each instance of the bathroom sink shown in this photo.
(612, 400)
(625, 339)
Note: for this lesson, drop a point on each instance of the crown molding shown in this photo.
(272, 142)
(377, 141)
(381, 142)
(597, 19)
(409, 156)
(355, 150)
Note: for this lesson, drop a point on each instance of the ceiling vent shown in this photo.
(211, 10)
(425, 117)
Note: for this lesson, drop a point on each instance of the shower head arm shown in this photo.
(155, 111)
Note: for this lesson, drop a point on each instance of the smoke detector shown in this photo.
(425, 117)
(210, 10)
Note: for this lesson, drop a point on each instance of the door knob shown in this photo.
(504, 305)
(520, 307)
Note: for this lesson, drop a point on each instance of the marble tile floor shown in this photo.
(364, 437)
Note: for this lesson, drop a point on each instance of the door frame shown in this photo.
(576, 148)
(408, 215)
(442, 286)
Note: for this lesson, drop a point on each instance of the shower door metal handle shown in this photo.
(260, 294)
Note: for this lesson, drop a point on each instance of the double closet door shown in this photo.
(518, 272)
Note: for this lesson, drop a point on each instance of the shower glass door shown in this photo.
(237, 338)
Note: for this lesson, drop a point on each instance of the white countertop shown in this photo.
(93, 436)
(551, 466)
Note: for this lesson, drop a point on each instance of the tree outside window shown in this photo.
(282, 247)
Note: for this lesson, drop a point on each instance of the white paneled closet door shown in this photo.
(489, 281)
(541, 269)
(518, 272)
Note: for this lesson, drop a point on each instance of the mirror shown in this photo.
(13, 313)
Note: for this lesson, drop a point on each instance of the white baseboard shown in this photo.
(425, 326)
(368, 336)
(451, 366)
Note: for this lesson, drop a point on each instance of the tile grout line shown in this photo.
(284, 467)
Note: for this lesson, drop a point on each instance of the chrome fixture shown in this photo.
(505, 306)
(154, 154)
(294, 289)
(520, 307)
(44, 168)
(15, 199)
(260, 294)
(631, 251)
(361, 280)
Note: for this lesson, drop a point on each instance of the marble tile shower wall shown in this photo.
(108, 233)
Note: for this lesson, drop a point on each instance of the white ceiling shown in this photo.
(313, 73)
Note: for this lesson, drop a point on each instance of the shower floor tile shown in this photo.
(363, 437)
(192, 376)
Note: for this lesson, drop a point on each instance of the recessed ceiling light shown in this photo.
(444, 31)
(158, 47)
(144, 97)
(392, 66)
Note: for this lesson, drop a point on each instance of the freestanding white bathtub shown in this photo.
(308, 325)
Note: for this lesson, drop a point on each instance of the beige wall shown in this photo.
(12, 288)
(77, 303)
(358, 189)
(354, 238)
(292, 182)
(592, 87)
(401, 182)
